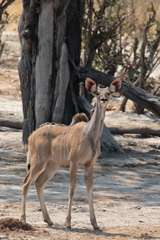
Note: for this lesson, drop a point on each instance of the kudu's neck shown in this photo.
(95, 126)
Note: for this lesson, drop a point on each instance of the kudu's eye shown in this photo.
(97, 93)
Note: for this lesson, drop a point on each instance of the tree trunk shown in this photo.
(28, 38)
(75, 13)
(49, 32)
(63, 73)
(44, 61)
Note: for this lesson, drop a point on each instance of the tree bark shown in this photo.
(63, 73)
(123, 104)
(27, 29)
(43, 93)
(74, 13)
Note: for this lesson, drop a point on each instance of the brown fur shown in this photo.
(79, 117)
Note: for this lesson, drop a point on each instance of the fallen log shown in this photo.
(142, 130)
(11, 123)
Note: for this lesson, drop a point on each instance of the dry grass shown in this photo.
(14, 11)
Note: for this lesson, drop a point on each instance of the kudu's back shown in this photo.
(61, 144)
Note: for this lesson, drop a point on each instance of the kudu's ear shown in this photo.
(90, 85)
(115, 85)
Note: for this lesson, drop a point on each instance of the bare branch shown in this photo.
(143, 48)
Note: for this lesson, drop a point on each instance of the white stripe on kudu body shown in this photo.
(54, 146)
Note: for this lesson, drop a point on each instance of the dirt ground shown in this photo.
(126, 186)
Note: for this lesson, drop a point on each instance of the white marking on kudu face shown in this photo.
(104, 95)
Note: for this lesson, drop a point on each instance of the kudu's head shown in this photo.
(103, 94)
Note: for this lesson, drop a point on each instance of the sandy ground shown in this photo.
(126, 186)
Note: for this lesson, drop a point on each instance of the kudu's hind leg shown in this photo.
(46, 174)
(88, 174)
(26, 184)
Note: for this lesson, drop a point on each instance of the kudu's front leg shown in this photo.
(88, 174)
(73, 176)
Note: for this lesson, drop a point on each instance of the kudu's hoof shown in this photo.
(49, 222)
(96, 228)
(68, 228)
(22, 219)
